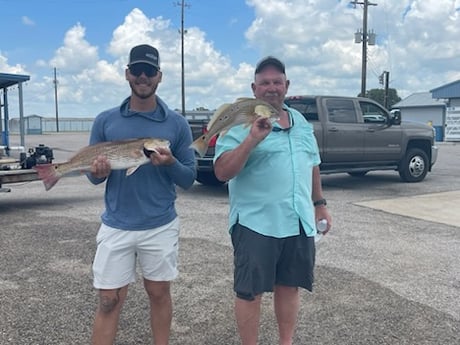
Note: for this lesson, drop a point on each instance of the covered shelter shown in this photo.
(7, 80)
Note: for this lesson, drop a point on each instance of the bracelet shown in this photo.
(320, 202)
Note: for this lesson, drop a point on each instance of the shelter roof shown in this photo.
(7, 80)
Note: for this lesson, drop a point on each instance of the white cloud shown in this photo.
(27, 21)
(416, 43)
(76, 53)
(6, 68)
(316, 38)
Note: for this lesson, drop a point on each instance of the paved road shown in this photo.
(385, 275)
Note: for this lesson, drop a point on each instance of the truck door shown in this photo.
(343, 135)
(382, 142)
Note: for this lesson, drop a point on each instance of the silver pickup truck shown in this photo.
(357, 135)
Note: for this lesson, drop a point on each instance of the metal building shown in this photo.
(451, 93)
(421, 107)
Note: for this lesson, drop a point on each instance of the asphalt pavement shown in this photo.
(388, 273)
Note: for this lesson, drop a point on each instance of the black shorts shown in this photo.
(261, 262)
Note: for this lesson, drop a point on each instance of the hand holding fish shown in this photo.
(162, 156)
(261, 127)
(100, 167)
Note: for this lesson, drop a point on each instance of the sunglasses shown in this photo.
(279, 129)
(139, 68)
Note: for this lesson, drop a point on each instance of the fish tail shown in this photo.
(48, 174)
(200, 145)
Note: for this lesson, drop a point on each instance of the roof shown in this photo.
(420, 99)
(451, 90)
(7, 79)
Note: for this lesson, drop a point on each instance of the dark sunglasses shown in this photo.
(139, 68)
(279, 129)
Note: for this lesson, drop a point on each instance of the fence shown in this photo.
(35, 124)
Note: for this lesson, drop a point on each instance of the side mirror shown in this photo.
(395, 117)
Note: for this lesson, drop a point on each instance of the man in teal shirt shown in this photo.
(275, 201)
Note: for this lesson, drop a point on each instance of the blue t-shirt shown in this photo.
(145, 199)
(273, 191)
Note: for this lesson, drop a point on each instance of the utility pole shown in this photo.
(384, 79)
(56, 100)
(182, 4)
(364, 37)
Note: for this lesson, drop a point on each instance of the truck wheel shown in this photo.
(414, 166)
(208, 178)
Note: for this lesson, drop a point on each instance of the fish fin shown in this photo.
(224, 132)
(131, 170)
(200, 145)
(241, 99)
(47, 173)
(216, 114)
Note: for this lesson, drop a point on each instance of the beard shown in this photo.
(142, 88)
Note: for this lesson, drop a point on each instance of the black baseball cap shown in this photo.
(272, 61)
(144, 53)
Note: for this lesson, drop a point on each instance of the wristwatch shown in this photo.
(320, 202)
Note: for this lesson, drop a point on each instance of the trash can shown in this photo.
(439, 133)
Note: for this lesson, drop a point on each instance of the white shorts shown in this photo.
(156, 249)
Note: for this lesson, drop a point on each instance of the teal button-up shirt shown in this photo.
(273, 190)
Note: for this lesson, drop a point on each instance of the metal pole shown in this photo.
(1, 124)
(364, 52)
(386, 80)
(182, 58)
(56, 101)
(21, 115)
(6, 139)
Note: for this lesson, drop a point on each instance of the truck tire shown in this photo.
(208, 179)
(414, 165)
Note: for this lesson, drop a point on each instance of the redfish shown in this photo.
(124, 154)
(242, 111)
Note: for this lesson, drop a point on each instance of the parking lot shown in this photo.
(388, 273)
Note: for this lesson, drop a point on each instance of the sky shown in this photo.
(87, 42)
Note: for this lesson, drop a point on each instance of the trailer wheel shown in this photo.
(414, 165)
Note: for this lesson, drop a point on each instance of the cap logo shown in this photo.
(153, 57)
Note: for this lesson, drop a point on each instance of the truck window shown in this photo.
(372, 113)
(341, 111)
(307, 107)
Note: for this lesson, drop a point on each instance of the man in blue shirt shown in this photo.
(140, 223)
(275, 201)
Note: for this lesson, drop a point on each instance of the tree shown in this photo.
(378, 95)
